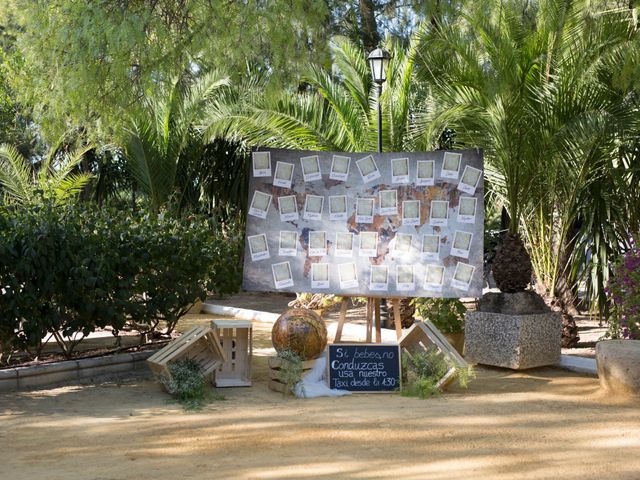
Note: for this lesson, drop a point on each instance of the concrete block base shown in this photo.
(513, 341)
(618, 366)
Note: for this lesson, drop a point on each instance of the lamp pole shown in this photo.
(378, 60)
(379, 118)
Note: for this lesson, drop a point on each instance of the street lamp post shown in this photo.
(378, 60)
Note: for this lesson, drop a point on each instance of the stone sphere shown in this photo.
(300, 331)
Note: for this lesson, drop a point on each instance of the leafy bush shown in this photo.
(290, 373)
(67, 270)
(624, 292)
(188, 385)
(447, 314)
(422, 371)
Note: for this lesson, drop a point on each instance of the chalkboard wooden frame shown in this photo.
(375, 346)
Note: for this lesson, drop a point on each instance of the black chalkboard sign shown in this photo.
(364, 367)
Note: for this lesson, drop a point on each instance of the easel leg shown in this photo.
(343, 316)
(369, 318)
(378, 320)
(397, 320)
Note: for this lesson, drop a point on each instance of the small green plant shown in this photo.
(188, 385)
(290, 373)
(422, 371)
(447, 314)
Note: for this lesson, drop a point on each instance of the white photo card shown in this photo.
(284, 175)
(467, 209)
(469, 181)
(338, 207)
(282, 275)
(311, 168)
(319, 275)
(261, 163)
(313, 205)
(340, 168)
(379, 280)
(258, 247)
(404, 278)
(368, 244)
(402, 244)
(434, 277)
(425, 175)
(388, 202)
(461, 244)
(344, 244)
(439, 213)
(348, 275)
(288, 243)
(368, 169)
(451, 165)
(463, 276)
(411, 212)
(288, 207)
(431, 246)
(317, 243)
(260, 204)
(400, 170)
(364, 210)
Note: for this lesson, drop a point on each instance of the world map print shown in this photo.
(366, 224)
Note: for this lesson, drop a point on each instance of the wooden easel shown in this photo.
(373, 309)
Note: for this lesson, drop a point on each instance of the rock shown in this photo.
(513, 341)
(618, 363)
(519, 303)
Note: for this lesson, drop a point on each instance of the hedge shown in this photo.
(65, 271)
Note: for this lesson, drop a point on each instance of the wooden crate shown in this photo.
(421, 336)
(275, 364)
(236, 338)
(200, 344)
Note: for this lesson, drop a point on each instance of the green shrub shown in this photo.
(447, 314)
(421, 372)
(67, 270)
(291, 370)
(188, 385)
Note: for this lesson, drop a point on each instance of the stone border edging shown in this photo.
(241, 313)
(35, 376)
(578, 364)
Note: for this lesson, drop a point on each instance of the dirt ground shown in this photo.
(541, 424)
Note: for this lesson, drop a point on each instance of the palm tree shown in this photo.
(162, 133)
(528, 85)
(55, 178)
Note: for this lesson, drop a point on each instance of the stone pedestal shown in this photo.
(513, 341)
(618, 364)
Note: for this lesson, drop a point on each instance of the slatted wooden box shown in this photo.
(277, 363)
(200, 344)
(236, 338)
(421, 336)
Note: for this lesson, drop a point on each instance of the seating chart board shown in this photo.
(366, 224)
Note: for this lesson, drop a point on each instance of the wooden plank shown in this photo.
(174, 346)
(242, 353)
(369, 319)
(219, 323)
(179, 345)
(444, 341)
(378, 321)
(396, 319)
(343, 316)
